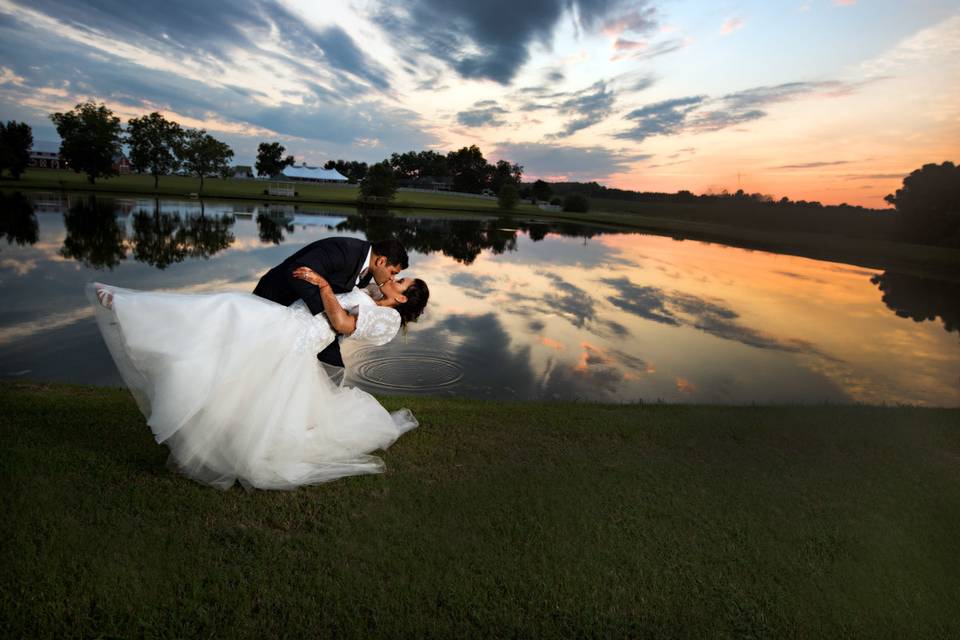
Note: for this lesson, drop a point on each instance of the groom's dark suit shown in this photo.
(339, 260)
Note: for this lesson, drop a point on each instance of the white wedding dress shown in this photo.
(230, 382)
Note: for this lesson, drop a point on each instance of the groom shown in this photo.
(345, 263)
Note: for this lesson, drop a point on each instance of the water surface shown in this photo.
(519, 309)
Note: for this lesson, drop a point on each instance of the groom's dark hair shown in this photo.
(393, 251)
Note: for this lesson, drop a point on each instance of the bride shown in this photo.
(231, 384)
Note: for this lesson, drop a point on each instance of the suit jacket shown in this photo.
(339, 260)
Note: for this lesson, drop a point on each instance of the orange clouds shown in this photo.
(553, 344)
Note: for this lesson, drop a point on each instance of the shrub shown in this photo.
(508, 196)
(576, 203)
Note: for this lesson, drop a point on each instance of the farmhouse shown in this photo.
(45, 155)
(304, 173)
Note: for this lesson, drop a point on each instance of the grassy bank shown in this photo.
(494, 519)
(182, 186)
(698, 222)
(873, 253)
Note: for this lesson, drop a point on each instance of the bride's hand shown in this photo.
(311, 276)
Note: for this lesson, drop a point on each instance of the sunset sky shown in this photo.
(833, 100)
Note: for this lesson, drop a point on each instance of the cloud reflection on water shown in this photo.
(526, 309)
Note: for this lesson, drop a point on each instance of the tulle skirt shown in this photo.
(231, 384)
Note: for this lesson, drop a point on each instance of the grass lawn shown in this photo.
(493, 520)
(171, 186)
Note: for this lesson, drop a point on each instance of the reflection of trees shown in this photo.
(271, 226)
(155, 239)
(17, 219)
(208, 235)
(93, 234)
(462, 240)
(161, 239)
(921, 298)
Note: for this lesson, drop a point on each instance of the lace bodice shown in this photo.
(376, 325)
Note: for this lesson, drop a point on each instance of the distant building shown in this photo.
(121, 164)
(304, 173)
(241, 171)
(46, 155)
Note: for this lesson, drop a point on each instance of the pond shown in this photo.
(520, 309)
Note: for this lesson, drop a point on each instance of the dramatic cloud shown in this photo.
(578, 163)
(486, 40)
(700, 114)
(639, 20)
(179, 29)
(329, 91)
(484, 113)
(587, 108)
(660, 118)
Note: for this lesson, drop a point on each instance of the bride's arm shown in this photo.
(341, 321)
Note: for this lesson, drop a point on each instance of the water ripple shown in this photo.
(418, 371)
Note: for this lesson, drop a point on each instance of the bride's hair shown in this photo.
(417, 296)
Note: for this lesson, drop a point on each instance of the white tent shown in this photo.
(313, 175)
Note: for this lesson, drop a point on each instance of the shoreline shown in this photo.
(926, 261)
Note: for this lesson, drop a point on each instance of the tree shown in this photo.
(508, 196)
(204, 155)
(406, 166)
(270, 160)
(418, 165)
(90, 135)
(928, 205)
(153, 142)
(504, 173)
(542, 190)
(16, 140)
(469, 169)
(352, 170)
(432, 164)
(379, 182)
(576, 202)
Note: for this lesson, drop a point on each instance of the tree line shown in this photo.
(927, 207)
(464, 170)
(91, 138)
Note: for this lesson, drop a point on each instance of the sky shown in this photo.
(830, 100)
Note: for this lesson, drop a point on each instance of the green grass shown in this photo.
(170, 186)
(494, 520)
(874, 253)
